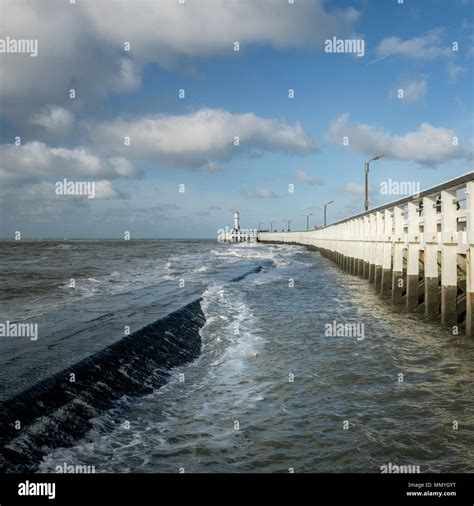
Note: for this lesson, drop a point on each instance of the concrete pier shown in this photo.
(417, 251)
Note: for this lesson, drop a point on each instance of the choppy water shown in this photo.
(39, 273)
(259, 334)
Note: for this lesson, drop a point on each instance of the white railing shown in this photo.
(427, 235)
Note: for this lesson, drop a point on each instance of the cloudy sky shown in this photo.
(182, 112)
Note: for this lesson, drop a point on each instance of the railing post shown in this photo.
(372, 238)
(449, 257)
(344, 246)
(470, 259)
(350, 246)
(430, 239)
(386, 283)
(360, 247)
(378, 250)
(413, 254)
(353, 246)
(366, 239)
(341, 241)
(398, 240)
(338, 246)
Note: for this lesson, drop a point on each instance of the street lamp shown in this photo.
(271, 226)
(307, 220)
(291, 219)
(325, 207)
(366, 170)
(259, 225)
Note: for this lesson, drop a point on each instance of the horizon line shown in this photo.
(109, 239)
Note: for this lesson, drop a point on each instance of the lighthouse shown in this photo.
(236, 234)
(236, 221)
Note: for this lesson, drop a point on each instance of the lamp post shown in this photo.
(307, 220)
(259, 225)
(325, 208)
(366, 170)
(271, 226)
(290, 220)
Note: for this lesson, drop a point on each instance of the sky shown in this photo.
(182, 111)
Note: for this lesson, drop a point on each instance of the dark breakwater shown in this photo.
(56, 411)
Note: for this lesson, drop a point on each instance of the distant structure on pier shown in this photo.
(237, 234)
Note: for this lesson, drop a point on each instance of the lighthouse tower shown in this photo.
(236, 221)
(237, 234)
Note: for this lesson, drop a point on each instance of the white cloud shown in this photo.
(71, 54)
(302, 176)
(56, 120)
(198, 139)
(81, 45)
(424, 48)
(35, 160)
(262, 193)
(412, 91)
(427, 145)
(162, 30)
(105, 190)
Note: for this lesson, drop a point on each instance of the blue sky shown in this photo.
(189, 141)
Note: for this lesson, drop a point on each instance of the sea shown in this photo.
(302, 367)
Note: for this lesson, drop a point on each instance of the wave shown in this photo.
(281, 255)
